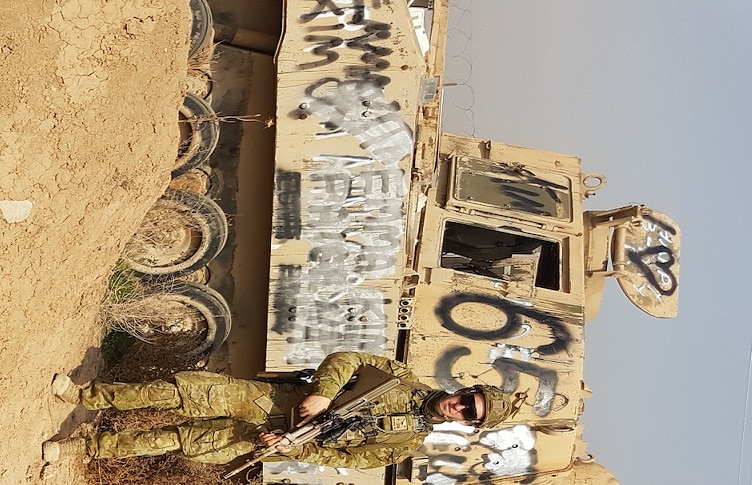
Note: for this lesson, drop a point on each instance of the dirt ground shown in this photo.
(89, 94)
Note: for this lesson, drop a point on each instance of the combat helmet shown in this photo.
(499, 405)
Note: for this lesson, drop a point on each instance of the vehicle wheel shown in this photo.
(182, 232)
(191, 318)
(201, 26)
(199, 134)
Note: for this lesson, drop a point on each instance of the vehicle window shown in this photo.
(511, 187)
(508, 256)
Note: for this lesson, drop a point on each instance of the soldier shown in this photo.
(235, 417)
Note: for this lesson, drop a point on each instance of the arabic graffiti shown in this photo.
(331, 8)
(354, 104)
(359, 109)
(352, 30)
(349, 206)
(351, 214)
(654, 258)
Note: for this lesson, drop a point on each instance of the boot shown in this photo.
(64, 389)
(66, 449)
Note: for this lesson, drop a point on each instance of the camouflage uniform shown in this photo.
(232, 411)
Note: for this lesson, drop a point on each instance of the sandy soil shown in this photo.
(89, 93)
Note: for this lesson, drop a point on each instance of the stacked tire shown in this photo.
(186, 229)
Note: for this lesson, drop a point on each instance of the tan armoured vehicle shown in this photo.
(356, 224)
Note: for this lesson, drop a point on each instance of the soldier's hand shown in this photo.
(312, 406)
(272, 439)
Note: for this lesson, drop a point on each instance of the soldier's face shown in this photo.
(464, 408)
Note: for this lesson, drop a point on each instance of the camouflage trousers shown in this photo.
(228, 413)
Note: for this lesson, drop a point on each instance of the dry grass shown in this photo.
(163, 470)
(144, 318)
(136, 308)
(129, 306)
(230, 118)
(163, 227)
(145, 362)
(148, 362)
(204, 59)
(165, 327)
(156, 470)
(196, 180)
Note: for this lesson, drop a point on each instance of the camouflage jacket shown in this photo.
(395, 416)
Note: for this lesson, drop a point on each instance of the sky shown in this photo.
(656, 95)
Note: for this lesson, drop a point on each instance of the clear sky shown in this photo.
(657, 95)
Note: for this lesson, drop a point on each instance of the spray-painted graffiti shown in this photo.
(354, 105)
(511, 369)
(353, 222)
(514, 450)
(504, 452)
(352, 29)
(295, 467)
(287, 215)
(315, 325)
(338, 8)
(508, 360)
(514, 322)
(653, 258)
(508, 368)
(373, 60)
(349, 207)
(531, 198)
(359, 109)
(512, 186)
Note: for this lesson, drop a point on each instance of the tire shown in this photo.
(199, 134)
(182, 232)
(201, 26)
(199, 82)
(203, 316)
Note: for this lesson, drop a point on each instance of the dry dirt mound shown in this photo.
(89, 94)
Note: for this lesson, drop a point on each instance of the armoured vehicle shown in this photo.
(357, 224)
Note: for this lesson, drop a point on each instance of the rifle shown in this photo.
(331, 424)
